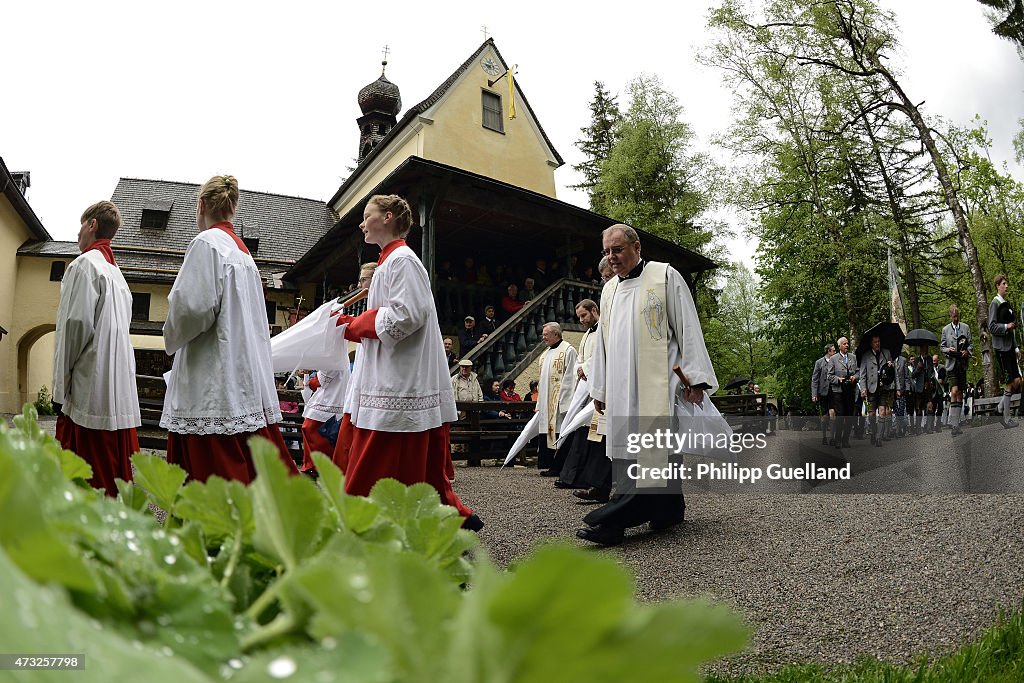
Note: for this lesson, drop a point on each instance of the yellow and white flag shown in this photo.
(512, 92)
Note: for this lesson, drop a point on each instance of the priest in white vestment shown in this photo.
(584, 465)
(402, 404)
(94, 386)
(649, 325)
(557, 384)
(220, 390)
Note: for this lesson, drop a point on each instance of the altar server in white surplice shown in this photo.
(557, 384)
(94, 364)
(649, 325)
(220, 390)
(402, 403)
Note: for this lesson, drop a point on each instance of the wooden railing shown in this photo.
(517, 341)
(485, 436)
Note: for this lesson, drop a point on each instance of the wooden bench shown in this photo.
(490, 437)
(735, 407)
(151, 405)
(989, 407)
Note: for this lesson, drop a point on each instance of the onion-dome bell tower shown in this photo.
(380, 103)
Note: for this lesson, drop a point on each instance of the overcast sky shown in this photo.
(95, 91)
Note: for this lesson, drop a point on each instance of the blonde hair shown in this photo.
(398, 207)
(368, 267)
(108, 219)
(220, 195)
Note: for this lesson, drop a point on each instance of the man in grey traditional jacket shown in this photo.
(821, 392)
(1005, 348)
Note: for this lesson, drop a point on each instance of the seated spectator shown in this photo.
(500, 276)
(534, 391)
(588, 276)
(468, 275)
(540, 274)
(508, 391)
(489, 323)
(510, 303)
(444, 271)
(529, 293)
(470, 336)
(492, 394)
(483, 277)
(449, 355)
(465, 385)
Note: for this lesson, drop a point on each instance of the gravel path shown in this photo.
(825, 578)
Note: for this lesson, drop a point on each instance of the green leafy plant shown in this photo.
(44, 402)
(288, 579)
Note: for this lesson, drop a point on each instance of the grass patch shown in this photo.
(997, 657)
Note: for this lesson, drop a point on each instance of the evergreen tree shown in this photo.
(1007, 17)
(597, 142)
(651, 180)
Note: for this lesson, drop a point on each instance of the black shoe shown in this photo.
(473, 523)
(824, 441)
(559, 484)
(602, 535)
(832, 442)
(957, 431)
(846, 444)
(663, 524)
(878, 442)
(873, 440)
(549, 473)
(591, 495)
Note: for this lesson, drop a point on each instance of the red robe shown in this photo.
(409, 457)
(224, 455)
(108, 452)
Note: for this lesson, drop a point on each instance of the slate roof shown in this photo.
(285, 226)
(20, 204)
(431, 100)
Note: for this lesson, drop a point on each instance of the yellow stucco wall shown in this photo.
(40, 366)
(411, 147)
(34, 319)
(451, 132)
(13, 233)
(28, 308)
(458, 137)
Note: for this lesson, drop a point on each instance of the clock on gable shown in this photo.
(490, 65)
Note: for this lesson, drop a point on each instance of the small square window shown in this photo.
(140, 306)
(154, 220)
(492, 112)
(57, 270)
(272, 312)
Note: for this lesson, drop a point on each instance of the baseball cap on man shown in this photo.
(466, 363)
(469, 317)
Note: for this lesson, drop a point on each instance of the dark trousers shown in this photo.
(845, 399)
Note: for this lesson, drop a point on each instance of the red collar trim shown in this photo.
(230, 230)
(389, 248)
(103, 246)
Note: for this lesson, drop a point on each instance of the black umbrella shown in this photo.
(891, 335)
(920, 336)
(736, 383)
